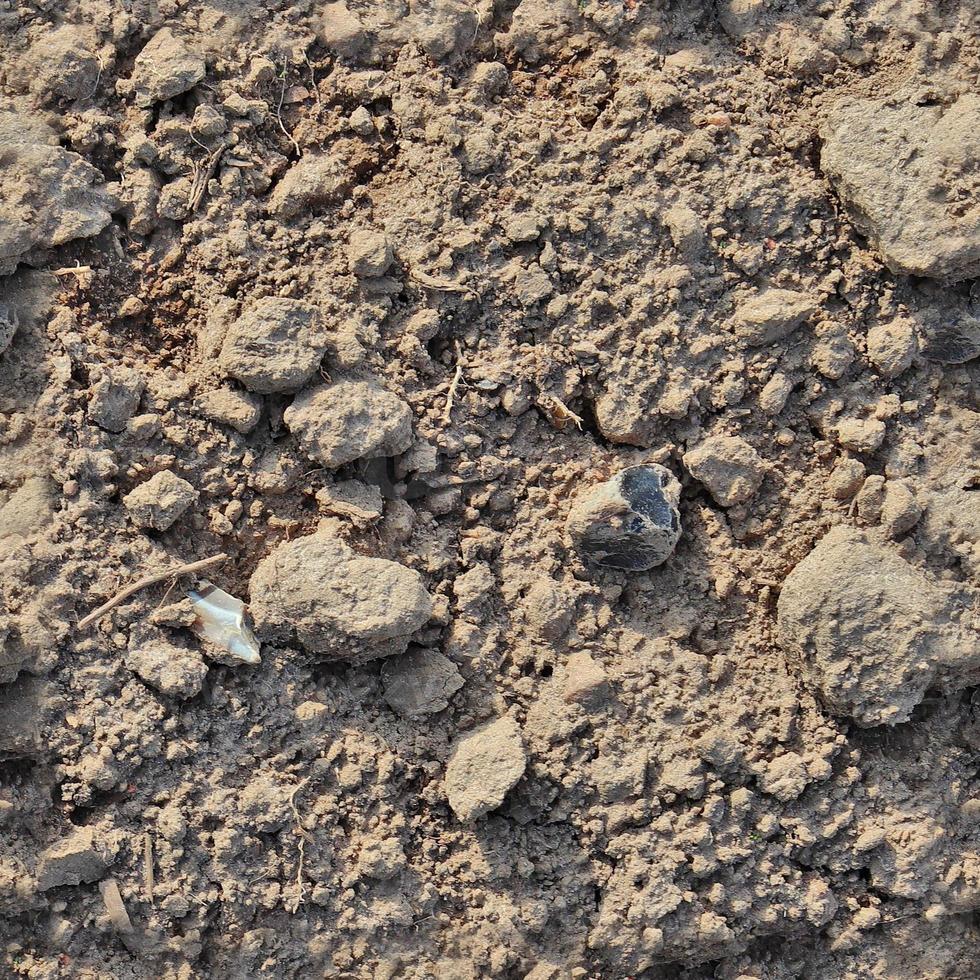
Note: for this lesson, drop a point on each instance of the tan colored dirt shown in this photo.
(371, 296)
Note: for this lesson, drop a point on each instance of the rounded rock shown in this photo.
(335, 602)
(350, 420)
(630, 522)
(275, 346)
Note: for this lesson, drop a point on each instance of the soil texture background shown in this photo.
(378, 299)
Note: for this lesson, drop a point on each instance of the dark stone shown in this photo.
(630, 522)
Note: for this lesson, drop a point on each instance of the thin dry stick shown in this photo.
(148, 867)
(282, 125)
(316, 91)
(442, 285)
(145, 582)
(72, 270)
(98, 78)
(453, 386)
(202, 176)
(303, 837)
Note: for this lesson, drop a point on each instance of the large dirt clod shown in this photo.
(902, 166)
(335, 602)
(350, 420)
(275, 346)
(870, 633)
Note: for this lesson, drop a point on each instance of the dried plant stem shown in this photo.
(282, 125)
(148, 867)
(453, 386)
(300, 895)
(188, 569)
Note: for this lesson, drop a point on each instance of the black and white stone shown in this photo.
(630, 522)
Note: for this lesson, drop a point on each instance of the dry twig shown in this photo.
(72, 270)
(120, 597)
(98, 78)
(304, 836)
(203, 174)
(453, 386)
(115, 907)
(442, 285)
(316, 91)
(282, 125)
(148, 867)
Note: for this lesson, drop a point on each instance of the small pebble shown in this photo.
(369, 254)
(846, 479)
(630, 522)
(159, 501)
(360, 122)
(728, 466)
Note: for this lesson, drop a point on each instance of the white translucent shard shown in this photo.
(221, 620)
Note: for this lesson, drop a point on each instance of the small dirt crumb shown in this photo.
(382, 859)
(900, 511)
(361, 122)
(870, 499)
(159, 501)
(619, 776)
(772, 398)
(728, 466)
(317, 179)
(485, 766)
(171, 670)
(772, 315)
(891, 346)
(846, 479)
(70, 861)
(532, 285)
(860, 435)
(480, 153)
(362, 503)
(420, 682)
(166, 67)
(115, 398)
(237, 409)
(548, 609)
(585, 680)
(369, 254)
(785, 777)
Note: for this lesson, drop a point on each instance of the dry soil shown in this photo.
(370, 296)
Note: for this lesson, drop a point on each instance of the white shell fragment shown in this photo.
(221, 620)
